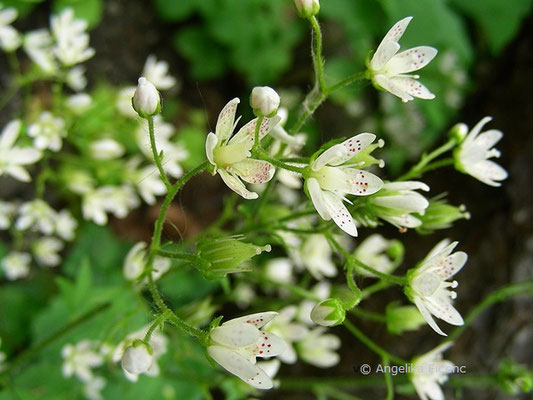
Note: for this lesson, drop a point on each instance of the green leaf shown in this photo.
(174, 10)
(89, 10)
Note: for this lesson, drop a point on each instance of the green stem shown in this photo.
(351, 283)
(347, 81)
(495, 297)
(55, 336)
(318, 59)
(310, 104)
(388, 379)
(371, 344)
(418, 169)
(157, 157)
(177, 255)
(257, 144)
(264, 156)
(371, 316)
(376, 287)
(294, 289)
(158, 321)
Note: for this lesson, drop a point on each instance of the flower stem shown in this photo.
(257, 144)
(371, 344)
(347, 81)
(318, 59)
(158, 321)
(157, 156)
(280, 164)
(422, 165)
(388, 379)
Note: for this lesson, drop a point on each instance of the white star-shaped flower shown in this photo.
(12, 157)
(472, 155)
(236, 344)
(429, 371)
(428, 289)
(332, 176)
(157, 73)
(390, 71)
(230, 155)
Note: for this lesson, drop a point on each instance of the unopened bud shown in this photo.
(459, 132)
(307, 8)
(146, 100)
(402, 318)
(264, 101)
(329, 312)
(137, 358)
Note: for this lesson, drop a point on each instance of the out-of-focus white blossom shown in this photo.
(66, 225)
(36, 215)
(106, 149)
(147, 180)
(373, 251)
(7, 211)
(10, 39)
(124, 98)
(80, 359)
(12, 158)
(316, 257)
(318, 348)
(76, 79)
(279, 270)
(71, 41)
(157, 73)
(79, 102)
(118, 200)
(289, 330)
(16, 265)
(430, 371)
(93, 387)
(135, 263)
(47, 132)
(38, 46)
(46, 251)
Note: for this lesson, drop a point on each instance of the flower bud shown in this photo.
(459, 132)
(264, 101)
(137, 358)
(222, 256)
(329, 312)
(307, 8)
(403, 318)
(146, 100)
(441, 215)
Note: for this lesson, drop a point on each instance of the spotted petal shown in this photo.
(247, 132)
(226, 120)
(240, 366)
(419, 303)
(235, 335)
(254, 171)
(210, 144)
(258, 319)
(342, 152)
(386, 83)
(317, 198)
(412, 87)
(392, 37)
(340, 214)
(411, 60)
(441, 307)
(362, 183)
(383, 54)
(236, 185)
(269, 345)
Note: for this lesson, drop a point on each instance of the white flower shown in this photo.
(332, 177)
(397, 201)
(146, 99)
(80, 359)
(75, 78)
(135, 263)
(157, 73)
(316, 256)
(307, 8)
(243, 294)
(390, 70)
(118, 200)
(373, 252)
(321, 290)
(93, 387)
(66, 225)
(264, 101)
(428, 289)
(38, 46)
(9, 37)
(80, 182)
(79, 102)
(287, 329)
(318, 349)
(7, 210)
(72, 42)
(46, 251)
(279, 270)
(36, 215)
(173, 153)
(430, 371)
(158, 342)
(147, 180)
(124, 98)
(47, 132)
(106, 149)
(16, 265)
(137, 358)
(236, 344)
(12, 157)
(231, 157)
(472, 155)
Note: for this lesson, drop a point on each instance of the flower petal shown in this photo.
(269, 345)
(411, 60)
(247, 132)
(235, 335)
(236, 185)
(387, 84)
(240, 366)
(383, 54)
(406, 185)
(317, 198)
(476, 129)
(393, 35)
(10, 134)
(396, 32)
(487, 172)
(254, 171)
(342, 152)
(210, 144)
(412, 87)
(362, 183)
(441, 307)
(258, 319)
(489, 138)
(19, 173)
(409, 202)
(404, 220)
(226, 120)
(420, 304)
(451, 265)
(340, 214)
